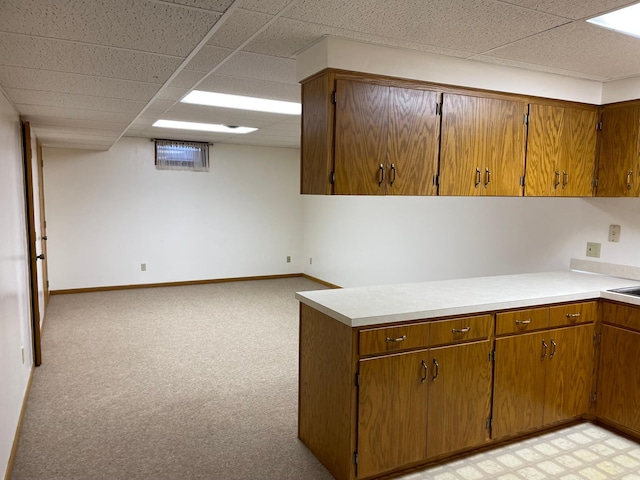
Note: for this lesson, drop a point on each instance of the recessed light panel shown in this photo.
(626, 20)
(203, 127)
(240, 102)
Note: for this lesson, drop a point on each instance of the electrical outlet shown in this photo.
(143, 267)
(288, 259)
(310, 261)
(593, 249)
(614, 233)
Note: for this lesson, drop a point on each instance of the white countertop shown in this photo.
(365, 306)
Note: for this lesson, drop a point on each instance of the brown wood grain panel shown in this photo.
(461, 151)
(459, 398)
(619, 379)
(518, 397)
(316, 146)
(505, 146)
(625, 316)
(414, 130)
(579, 158)
(462, 329)
(569, 373)
(393, 339)
(522, 321)
(572, 314)
(619, 152)
(361, 134)
(325, 390)
(392, 412)
(543, 150)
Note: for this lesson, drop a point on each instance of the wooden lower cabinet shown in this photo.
(619, 377)
(542, 378)
(459, 397)
(392, 412)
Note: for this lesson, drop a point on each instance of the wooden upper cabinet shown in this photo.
(561, 151)
(482, 146)
(414, 131)
(619, 149)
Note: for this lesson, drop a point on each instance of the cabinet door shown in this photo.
(543, 175)
(619, 377)
(482, 148)
(414, 130)
(459, 397)
(569, 373)
(392, 412)
(361, 133)
(579, 155)
(518, 398)
(618, 164)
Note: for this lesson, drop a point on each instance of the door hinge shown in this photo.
(357, 380)
(333, 97)
(439, 108)
(599, 126)
(436, 180)
(522, 181)
(593, 398)
(526, 119)
(355, 458)
(489, 423)
(492, 356)
(47, 283)
(332, 178)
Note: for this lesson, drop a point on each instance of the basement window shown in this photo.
(179, 155)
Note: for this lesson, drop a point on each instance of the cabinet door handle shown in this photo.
(393, 170)
(461, 330)
(381, 175)
(478, 177)
(435, 363)
(399, 339)
(629, 179)
(544, 349)
(565, 179)
(426, 372)
(574, 315)
(487, 179)
(555, 347)
(557, 180)
(523, 322)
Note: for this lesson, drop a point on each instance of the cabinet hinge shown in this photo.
(597, 338)
(526, 119)
(332, 178)
(436, 180)
(522, 181)
(594, 183)
(357, 380)
(439, 108)
(355, 458)
(593, 398)
(489, 423)
(333, 97)
(492, 356)
(599, 126)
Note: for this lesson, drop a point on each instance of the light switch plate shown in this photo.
(614, 233)
(593, 249)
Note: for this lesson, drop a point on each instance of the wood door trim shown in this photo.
(43, 229)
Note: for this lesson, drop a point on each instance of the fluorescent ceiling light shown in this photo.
(626, 20)
(205, 127)
(242, 103)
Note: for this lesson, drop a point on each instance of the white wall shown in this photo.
(357, 241)
(108, 212)
(15, 322)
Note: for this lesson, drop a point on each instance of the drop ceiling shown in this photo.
(85, 73)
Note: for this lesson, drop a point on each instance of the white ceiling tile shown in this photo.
(261, 67)
(264, 6)
(187, 79)
(74, 113)
(574, 9)
(73, 57)
(158, 107)
(260, 141)
(36, 97)
(225, 116)
(238, 28)
(88, 146)
(172, 93)
(213, 5)
(176, 134)
(65, 131)
(251, 87)
(66, 123)
(465, 25)
(207, 58)
(134, 24)
(574, 47)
